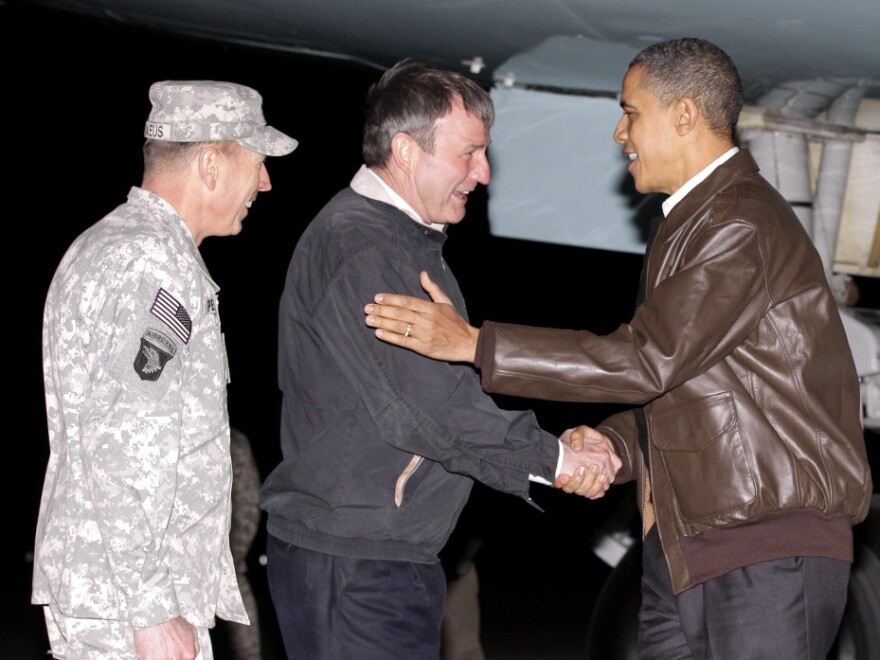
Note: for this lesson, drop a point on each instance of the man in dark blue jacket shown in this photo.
(381, 446)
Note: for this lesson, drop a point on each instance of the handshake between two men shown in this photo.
(436, 330)
(588, 464)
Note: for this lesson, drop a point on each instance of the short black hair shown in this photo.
(700, 70)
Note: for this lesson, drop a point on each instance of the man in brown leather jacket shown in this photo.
(751, 462)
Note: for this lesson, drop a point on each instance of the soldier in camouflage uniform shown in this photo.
(132, 556)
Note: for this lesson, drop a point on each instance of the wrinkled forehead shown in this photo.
(462, 127)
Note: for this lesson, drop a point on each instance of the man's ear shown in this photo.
(403, 151)
(209, 166)
(686, 115)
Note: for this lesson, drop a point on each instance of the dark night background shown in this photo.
(74, 105)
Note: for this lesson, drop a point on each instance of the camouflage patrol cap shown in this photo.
(204, 110)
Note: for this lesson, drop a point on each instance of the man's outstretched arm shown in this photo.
(434, 329)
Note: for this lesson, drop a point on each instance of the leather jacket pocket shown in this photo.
(701, 452)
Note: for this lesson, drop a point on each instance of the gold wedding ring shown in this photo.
(408, 330)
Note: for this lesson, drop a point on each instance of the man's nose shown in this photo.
(481, 171)
(265, 182)
(620, 131)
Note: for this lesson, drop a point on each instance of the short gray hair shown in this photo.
(409, 98)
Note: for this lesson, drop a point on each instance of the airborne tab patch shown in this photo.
(155, 350)
(167, 309)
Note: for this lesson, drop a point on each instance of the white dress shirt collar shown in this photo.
(692, 183)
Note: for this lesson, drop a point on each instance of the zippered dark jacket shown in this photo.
(380, 445)
(740, 359)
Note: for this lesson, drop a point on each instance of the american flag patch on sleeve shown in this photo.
(167, 309)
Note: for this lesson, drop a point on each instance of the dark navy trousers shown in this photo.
(338, 608)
